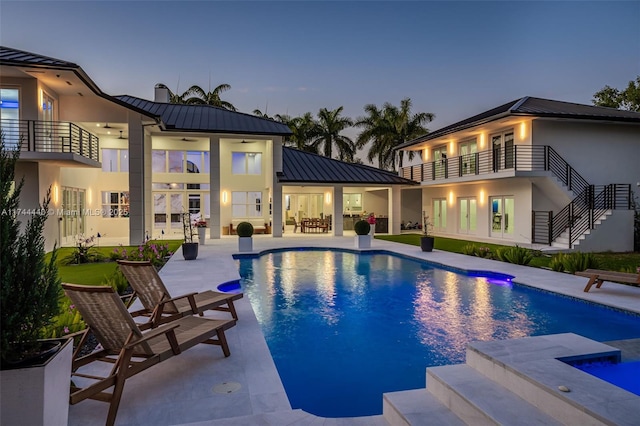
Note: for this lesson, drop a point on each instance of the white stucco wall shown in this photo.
(613, 234)
(602, 153)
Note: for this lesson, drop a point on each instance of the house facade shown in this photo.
(127, 169)
(533, 171)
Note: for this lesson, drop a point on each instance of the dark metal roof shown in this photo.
(535, 107)
(20, 57)
(305, 167)
(206, 118)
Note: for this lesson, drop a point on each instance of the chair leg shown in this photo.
(223, 342)
(232, 309)
(118, 388)
(592, 281)
(599, 283)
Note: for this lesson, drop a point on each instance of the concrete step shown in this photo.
(477, 400)
(416, 407)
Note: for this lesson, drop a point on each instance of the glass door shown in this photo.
(439, 218)
(48, 126)
(468, 216)
(502, 217)
(440, 162)
(167, 215)
(468, 152)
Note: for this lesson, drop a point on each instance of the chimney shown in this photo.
(161, 93)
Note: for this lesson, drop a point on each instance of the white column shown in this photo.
(276, 196)
(338, 225)
(136, 180)
(395, 208)
(214, 188)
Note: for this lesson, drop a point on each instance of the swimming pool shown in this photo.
(343, 328)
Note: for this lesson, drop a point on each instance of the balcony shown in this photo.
(501, 162)
(57, 141)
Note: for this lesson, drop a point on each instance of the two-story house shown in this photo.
(533, 171)
(126, 168)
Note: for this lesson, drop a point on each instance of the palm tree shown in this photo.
(261, 114)
(376, 130)
(200, 97)
(304, 129)
(388, 127)
(406, 126)
(328, 129)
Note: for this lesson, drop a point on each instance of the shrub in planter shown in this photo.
(244, 229)
(30, 288)
(579, 261)
(362, 227)
(557, 262)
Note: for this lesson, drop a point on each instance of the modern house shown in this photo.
(127, 168)
(533, 171)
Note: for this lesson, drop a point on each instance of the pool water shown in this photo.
(344, 328)
(625, 375)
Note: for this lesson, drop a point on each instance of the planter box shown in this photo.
(363, 241)
(189, 251)
(37, 395)
(426, 243)
(245, 243)
(202, 234)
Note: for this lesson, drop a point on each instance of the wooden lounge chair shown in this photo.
(148, 286)
(126, 346)
(597, 277)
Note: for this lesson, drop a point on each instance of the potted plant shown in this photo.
(189, 248)
(426, 240)
(34, 373)
(363, 239)
(201, 226)
(245, 240)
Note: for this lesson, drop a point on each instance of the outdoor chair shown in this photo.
(150, 289)
(125, 346)
(598, 276)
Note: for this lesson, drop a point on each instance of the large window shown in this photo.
(246, 163)
(352, 203)
(73, 206)
(115, 203)
(503, 151)
(115, 160)
(246, 204)
(10, 114)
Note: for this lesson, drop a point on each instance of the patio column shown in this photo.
(338, 224)
(276, 195)
(214, 188)
(395, 208)
(137, 205)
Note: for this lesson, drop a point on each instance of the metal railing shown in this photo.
(580, 215)
(50, 136)
(516, 157)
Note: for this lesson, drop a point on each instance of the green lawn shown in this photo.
(609, 261)
(96, 273)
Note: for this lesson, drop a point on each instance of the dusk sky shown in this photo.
(453, 59)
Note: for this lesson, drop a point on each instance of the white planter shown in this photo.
(37, 395)
(245, 243)
(202, 234)
(363, 241)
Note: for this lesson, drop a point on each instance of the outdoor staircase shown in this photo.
(490, 389)
(563, 241)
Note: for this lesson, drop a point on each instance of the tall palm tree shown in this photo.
(407, 126)
(261, 114)
(304, 129)
(376, 130)
(328, 129)
(388, 127)
(198, 96)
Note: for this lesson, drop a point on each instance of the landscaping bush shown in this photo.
(362, 227)
(68, 321)
(244, 229)
(151, 251)
(469, 250)
(557, 262)
(517, 255)
(83, 252)
(117, 281)
(579, 261)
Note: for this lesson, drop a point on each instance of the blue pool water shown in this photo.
(625, 375)
(344, 328)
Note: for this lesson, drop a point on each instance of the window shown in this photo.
(246, 204)
(467, 151)
(246, 163)
(73, 207)
(468, 216)
(351, 203)
(10, 115)
(503, 151)
(115, 204)
(115, 160)
(439, 218)
(502, 216)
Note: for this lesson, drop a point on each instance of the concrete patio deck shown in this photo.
(192, 388)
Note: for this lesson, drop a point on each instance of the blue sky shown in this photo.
(453, 59)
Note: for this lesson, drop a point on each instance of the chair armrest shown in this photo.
(167, 330)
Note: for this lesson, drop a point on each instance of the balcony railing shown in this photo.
(49, 136)
(517, 158)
